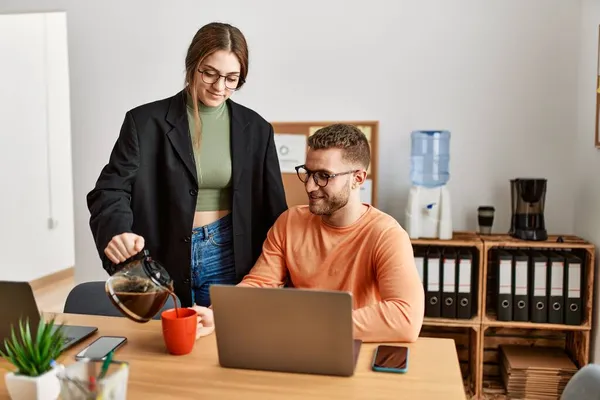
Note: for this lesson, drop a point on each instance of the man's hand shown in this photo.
(206, 322)
(123, 246)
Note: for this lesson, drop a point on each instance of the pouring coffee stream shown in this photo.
(139, 287)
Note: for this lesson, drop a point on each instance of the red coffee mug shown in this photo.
(179, 330)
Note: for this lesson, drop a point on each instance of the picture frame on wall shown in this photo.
(291, 140)
(597, 90)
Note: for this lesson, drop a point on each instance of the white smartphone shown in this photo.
(101, 347)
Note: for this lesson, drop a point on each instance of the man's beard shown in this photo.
(329, 205)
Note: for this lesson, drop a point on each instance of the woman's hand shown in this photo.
(124, 246)
(206, 322)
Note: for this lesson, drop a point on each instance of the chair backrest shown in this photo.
(584, 385)
(90, 298)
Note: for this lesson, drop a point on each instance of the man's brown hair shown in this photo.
(348, 138)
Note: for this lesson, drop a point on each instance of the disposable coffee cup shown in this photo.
(485, 217)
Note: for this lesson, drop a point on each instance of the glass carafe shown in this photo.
(139, 287)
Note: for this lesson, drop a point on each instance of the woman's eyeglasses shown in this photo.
(211, 77)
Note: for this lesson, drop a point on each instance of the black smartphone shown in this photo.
(101, 347)
(390, 359)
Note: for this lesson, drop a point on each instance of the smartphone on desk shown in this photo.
(390, 359)
(101, 347)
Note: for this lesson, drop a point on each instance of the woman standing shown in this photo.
(193, 178)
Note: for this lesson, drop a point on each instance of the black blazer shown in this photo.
(149, 187)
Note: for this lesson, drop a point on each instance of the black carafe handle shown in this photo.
(114, 268)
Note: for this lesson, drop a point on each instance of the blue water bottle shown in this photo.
(430, 158)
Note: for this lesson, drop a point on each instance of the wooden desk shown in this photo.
(433, 373)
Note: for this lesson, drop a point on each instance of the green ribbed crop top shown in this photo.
(213, 158)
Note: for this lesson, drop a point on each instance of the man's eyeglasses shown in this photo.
(321, 178)
(211, 77)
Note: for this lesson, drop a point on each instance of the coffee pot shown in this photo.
(528, 200)
(139, 287)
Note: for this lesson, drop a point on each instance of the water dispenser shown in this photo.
(428, 212)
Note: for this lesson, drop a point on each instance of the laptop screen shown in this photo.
(17, 302)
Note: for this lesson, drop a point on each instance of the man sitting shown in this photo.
(339, 243)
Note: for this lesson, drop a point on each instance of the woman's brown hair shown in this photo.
(209, 39)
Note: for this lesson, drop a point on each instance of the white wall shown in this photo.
(499, 74)
(587, 222)
(36, 230)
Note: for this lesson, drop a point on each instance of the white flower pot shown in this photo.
(43, 387)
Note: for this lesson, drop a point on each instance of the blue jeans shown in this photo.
(212, 258)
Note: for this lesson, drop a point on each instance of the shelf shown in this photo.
(467, 385)
(490, 320)
(574, 343)
(478, 339)
(569, 242)
(473, 322)
(459, 239)
(493, 389)
(467, 340)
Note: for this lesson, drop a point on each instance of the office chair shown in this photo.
(90, 298)
(584, 385)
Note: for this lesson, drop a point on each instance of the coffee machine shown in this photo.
(528, 198)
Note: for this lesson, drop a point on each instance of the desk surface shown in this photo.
(434, 371)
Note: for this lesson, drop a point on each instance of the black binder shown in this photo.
(573, 293)
(521, 288)
(432, 293)
(556, 268)
(539, 286)
(465, 285)
(420, 253)
(449, 283)
(505, 285)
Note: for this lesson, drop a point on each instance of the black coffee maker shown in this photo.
(528, 198)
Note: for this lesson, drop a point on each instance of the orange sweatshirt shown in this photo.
(372, 258)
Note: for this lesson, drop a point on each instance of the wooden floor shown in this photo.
(51, 297)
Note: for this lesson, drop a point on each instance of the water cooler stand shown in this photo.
(428, 213)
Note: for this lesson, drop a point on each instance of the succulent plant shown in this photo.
(32, 353)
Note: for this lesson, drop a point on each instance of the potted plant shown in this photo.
(33, 355)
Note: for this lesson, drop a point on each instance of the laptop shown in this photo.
(285, 330)
(17, 301)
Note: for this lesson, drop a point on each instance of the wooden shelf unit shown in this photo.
(575, 339)
(465, 332)
(576, 344)
(475, 321)
(467, 340)
(489, 320)
(467, 240)
(482, 378)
